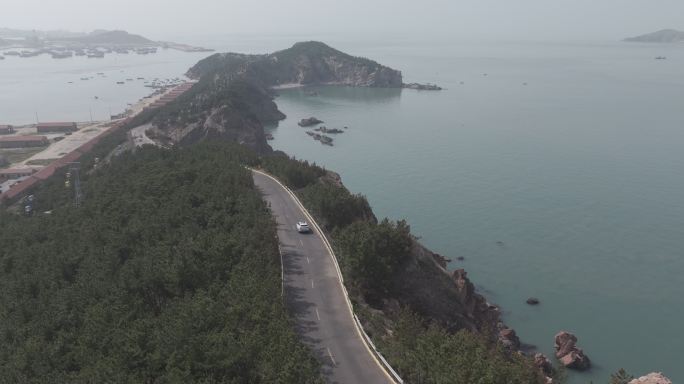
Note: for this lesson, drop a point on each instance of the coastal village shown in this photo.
(95, 45)
(32, 153)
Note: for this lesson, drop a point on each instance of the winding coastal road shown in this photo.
(314, 295)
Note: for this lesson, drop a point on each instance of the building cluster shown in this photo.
(34, 175)
(170, 96)
(6, 129)
(56, 127)
(23, 141)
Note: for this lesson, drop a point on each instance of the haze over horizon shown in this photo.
(431, 19)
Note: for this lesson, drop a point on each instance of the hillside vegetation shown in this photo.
(168, 273)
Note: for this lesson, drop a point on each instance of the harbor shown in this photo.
(35, 151)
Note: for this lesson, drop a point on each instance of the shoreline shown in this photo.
(288, 86)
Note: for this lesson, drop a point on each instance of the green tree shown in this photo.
(370, 253)
(621, 377)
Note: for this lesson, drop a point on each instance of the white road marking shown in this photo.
(311, 283)
(331, 357)
(301, 243)
(308, 261)
(318, 316)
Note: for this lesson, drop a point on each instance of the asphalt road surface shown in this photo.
(314, 296)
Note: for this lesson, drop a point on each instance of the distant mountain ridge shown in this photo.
(111, 37)
(662, 36)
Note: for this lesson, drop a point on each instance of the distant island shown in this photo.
(662, 36)
(64, 44)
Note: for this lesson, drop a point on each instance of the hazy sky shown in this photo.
(457, 19)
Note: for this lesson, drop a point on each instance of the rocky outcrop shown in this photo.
(309, 122)
(509, 339)
(544, 364)
(652, 378)
(422, 87)
(569, 354)
(532, 301)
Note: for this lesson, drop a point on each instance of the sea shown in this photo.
(555, 169)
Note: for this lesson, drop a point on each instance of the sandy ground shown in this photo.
(69, 143)
(287, 86)
(86, 132)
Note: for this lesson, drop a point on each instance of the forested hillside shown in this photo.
(168, 273)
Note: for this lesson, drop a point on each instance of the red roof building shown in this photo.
(23, 141)
(56, 127)
(6, 129)
(15, 173)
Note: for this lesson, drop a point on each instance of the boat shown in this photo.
(85, 78)
(121, 82)
(96, 55)
(661, 58)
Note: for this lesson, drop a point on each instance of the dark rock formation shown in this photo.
(545, 366)
(309, 122)
(441, 260)
(476, 306)
(325, 129)
(509, 339)
(663, 36)
(569, 354)
(532, 301)
(422, 87)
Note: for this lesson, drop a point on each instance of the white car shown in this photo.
(303, 227)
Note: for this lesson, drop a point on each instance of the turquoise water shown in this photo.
(579, 173)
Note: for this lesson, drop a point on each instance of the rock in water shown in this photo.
(532, 301)
(509, 339)
(309, 122)
(544, 365)
(567, 352)
(652, 378)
